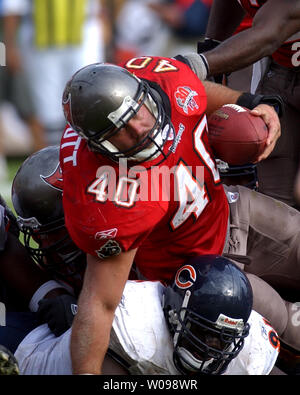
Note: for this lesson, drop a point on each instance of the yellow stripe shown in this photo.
(58, 22)
(40, 19)
(78, 17)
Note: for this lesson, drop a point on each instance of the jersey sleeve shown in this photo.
(118, 231)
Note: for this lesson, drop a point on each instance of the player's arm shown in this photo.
(218, 95)
(103, 286)
(224, 18)
(272, 25)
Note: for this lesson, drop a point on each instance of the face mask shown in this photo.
(190, 362)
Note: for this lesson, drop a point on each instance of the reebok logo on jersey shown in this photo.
(106, 234)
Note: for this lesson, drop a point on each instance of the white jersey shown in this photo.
(141, 337)
(260, 350)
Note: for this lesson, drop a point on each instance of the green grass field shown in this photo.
(13, 163)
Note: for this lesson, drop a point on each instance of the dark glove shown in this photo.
(57, 312)
(250, 101)
(207, 44)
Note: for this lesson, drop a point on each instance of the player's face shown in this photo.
(205, 337)
(58, 245)
(48, 239)
(137, 128)
(62, 254)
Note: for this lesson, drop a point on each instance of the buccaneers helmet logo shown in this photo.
(54, 179)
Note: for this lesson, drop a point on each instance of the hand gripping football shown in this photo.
(236, 136)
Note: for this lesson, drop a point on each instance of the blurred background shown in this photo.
(46, 41)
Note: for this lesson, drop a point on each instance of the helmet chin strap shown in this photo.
(190, 362)
(139, 156)
(147, 152)
(193, 364)
(130, 106)
(151, 105)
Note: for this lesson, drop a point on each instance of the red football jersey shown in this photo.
(288, 55)
(170, 209)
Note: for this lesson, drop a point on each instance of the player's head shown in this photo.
(100, 100)
(37, 200)
(245, 175)
(207, 308)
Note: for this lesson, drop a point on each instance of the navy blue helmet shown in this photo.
(207, 308)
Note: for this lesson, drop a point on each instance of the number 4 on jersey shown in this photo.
(191, 190)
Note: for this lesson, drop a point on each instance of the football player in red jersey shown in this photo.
(272, 45)
(147, 120)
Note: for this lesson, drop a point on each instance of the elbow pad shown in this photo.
(197, 62)
(207, 45)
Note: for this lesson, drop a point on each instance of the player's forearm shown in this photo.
(89, 339)
(238, 52)
(218, 95)
(104, 282)
(224, 18)
(272, 26)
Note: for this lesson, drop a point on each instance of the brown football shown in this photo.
(236, 136)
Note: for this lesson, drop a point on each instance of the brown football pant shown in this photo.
(277, 173)
(268, 232)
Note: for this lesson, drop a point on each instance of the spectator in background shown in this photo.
(187, 20)
(150, 35)
(14, 89)
(165, 27)
(95, 29)
(52, 40)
